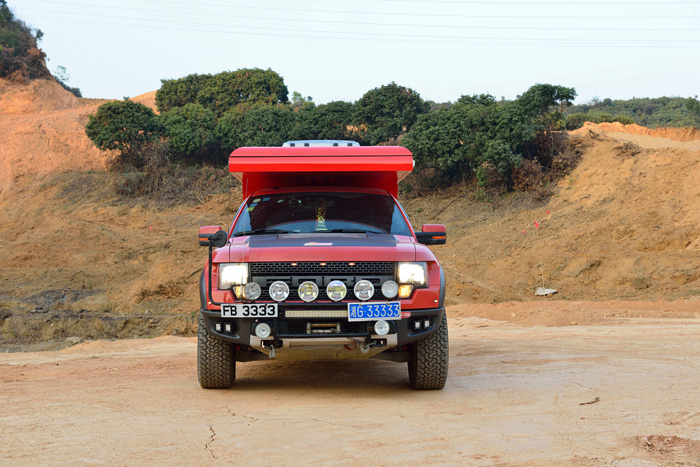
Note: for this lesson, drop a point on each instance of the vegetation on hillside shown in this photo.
(205, 117)
(648, 112)
(21, 59)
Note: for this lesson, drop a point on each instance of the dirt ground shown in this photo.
(623, 393)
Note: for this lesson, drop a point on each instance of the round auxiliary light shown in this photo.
(263, 330)
(279, 291)
(364, 290)
(252, 291)
(336, 290)
(381, 327)
(308, 291)
(390, 289)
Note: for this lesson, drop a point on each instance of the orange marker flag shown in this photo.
(537, 225)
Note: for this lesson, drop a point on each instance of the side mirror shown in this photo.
(432, 234)
(212, 235)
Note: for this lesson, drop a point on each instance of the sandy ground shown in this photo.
(624, 395)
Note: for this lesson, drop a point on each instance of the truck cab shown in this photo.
(321, 262)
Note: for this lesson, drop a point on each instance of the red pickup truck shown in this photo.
(321, 262)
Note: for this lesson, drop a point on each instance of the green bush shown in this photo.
(326, 121)
(256, 125)
(125, 126)
(482, 138)
(223, 91)
(20, 58)
(190, 132)
(648, 112)
(387, 112)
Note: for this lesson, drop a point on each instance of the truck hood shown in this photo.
(318, 247)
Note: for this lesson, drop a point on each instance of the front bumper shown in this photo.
(323, 331)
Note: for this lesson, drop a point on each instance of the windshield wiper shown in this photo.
(262, 231)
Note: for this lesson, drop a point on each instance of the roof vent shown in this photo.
(320, 143)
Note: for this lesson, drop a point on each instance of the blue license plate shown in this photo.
(374, 311)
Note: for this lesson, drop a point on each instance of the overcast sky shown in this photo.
(338, 50)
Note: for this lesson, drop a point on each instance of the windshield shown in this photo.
(321, 212)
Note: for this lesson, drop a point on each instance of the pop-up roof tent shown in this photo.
(380, 167)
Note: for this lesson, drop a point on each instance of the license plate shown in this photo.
(248, 310)
(374, 311)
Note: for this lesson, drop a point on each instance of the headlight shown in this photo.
(231, 274)
(252, 291)
(413, 273)
(364, 290)
(308, 291)
(336, 290)
(279, 291)
(390, 289)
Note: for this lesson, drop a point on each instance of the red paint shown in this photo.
(379, 167)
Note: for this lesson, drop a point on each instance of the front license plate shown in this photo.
(374, 311)
(246, 310)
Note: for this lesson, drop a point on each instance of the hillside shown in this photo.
(624, 225)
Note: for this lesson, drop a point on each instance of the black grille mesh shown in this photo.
(374, 268)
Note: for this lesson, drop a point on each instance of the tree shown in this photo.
(255, 125)
(300, 101)
(180, 92)
(190, 132)
(480, 137)
(226, 90)
(125, 126)
(223, 91)
(326, 121)
(386, 112)
(20, 58)
(692, 105)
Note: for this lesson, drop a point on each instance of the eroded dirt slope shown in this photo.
(43, 132)
(624, 225)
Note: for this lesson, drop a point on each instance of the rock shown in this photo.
(641, 283)
(73, 340)
(541, 291)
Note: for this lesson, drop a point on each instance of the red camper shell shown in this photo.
(380, 167)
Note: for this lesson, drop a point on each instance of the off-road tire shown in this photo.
(216, 365)
(429, 359)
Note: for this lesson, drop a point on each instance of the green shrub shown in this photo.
(190, 132)
(387, 112)
(125, 126)
(223, 91)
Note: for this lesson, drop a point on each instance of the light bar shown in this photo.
(316, 313)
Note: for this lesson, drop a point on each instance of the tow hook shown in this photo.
(272, 350)
(365, 346)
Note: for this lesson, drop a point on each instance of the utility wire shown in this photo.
(402, 38)
(365, 13)
(441, 26)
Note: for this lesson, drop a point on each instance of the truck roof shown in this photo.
(380, 167)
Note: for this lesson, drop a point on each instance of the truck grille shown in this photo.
(322, 274)
(374, 268)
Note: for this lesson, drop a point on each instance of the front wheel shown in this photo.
(429, 359)
(216, 365)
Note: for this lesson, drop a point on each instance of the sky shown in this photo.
(337, 50)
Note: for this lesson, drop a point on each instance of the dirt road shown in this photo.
(576, 395)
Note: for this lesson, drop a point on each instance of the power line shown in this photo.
(507, 28)
(388, 37)
(393, 14)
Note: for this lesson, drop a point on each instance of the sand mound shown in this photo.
(37, 96)
(677, 134)
(148, 99)
(43, 131)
